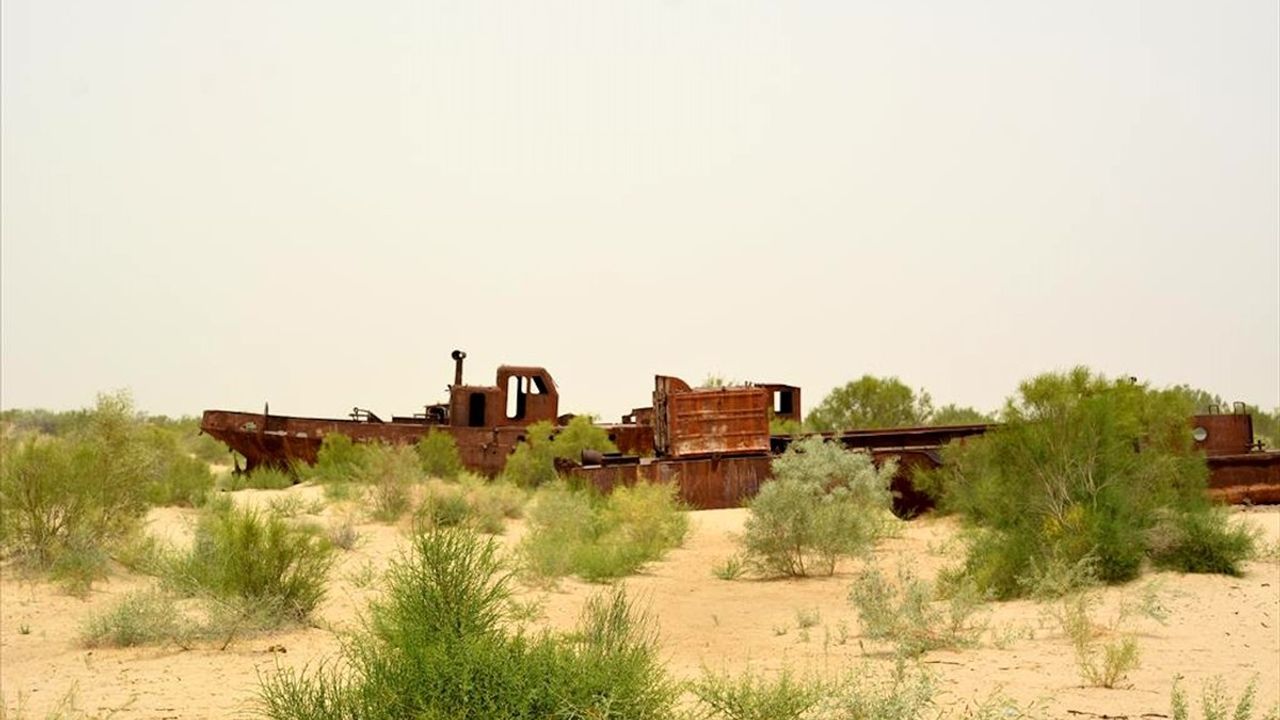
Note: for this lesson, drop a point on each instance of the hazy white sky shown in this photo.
(312, 203)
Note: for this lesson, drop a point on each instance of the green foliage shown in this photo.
(438, 453)
(601, 538)
(175, 477)
(907, 614)
(1105, 653)
(261, 559)
(781, 426)
(532, 463)
(1200, 542)
(388, 471)
(1216, 704)
(144, 617)
(437, 646)
(756, 696)
(952, 414)
(267, 477)
(1082, 467)
(823, 504)
(580, 434)
(339, 459)
(870, 402)
(65, 501)
(731, 569)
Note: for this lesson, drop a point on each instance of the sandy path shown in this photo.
(1218, 625)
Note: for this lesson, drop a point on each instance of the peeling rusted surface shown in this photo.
(713, 443)
(709, 421)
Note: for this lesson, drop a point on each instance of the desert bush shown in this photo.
(268, 477)
(906, 694)
(481, 505)
(823, 504)
(1200, 542)
(532, 463)
(757, 696)
(437, 646)
(443, 505)
(176, 478)
(492, 501)
(65, 501)
(144, 617)
(730, 569)
(339, 459)
(1216, 703)
(1083, 466)
(581, 433)
(908, 614)
(601, 538)
(438, 455)
(343, 535)
(389, 471)
(1105, 652)
(255, 557)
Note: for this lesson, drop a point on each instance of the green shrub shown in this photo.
(1200, 542)
(491, 503)
(388, 471)
(267, 477)
(339, 459)
(601, 538)
(438, 454)
(756, 696)
(1216, 704)
(581, 433)
(532, 463)
(823, 504)
(243, 554)
(907, 615)
(1083, 467)
(443, 505)
(64, 502)
(176, 478)
(1105, 652)
(437, 646)
(145, 617)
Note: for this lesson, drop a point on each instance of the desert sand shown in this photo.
(1216, 626)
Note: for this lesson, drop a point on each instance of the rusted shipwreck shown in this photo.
(713, 443)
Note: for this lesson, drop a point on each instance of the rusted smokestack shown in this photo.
(458, 357)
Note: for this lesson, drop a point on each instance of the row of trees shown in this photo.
(881, 402)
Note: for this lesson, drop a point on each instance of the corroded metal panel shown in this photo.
(710, 421)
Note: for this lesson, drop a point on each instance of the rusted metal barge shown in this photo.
(713, 443)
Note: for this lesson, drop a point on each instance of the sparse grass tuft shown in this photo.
(601, 538)
(757, 696)
(907, 615)
(389, 471)
(731, 569)
(261, 559)
(145, 617)
(1105, 652)
(1216, 704)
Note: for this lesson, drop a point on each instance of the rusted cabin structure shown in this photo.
(487, 421)
(1240, 470)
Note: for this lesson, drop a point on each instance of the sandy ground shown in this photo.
(1217, 626)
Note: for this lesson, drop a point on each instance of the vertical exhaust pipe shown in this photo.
(458, 357)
